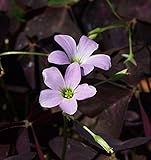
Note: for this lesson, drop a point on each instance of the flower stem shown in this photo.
(22, 52)
(93, 33)
(38, 147)
(113, 10)
(130, 57)
(110, 82)
(65, 136)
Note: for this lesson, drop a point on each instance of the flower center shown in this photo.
(75, 59)
(67, 93)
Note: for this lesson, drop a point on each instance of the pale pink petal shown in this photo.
(67, 43)
(49, 98)
(86, 69)
(58, 57)
(73, 75)
(69, 106)
(84, 91)
(101, 61)
(53, 78)
(86, 47)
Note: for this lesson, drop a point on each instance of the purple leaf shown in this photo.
(4, 5)
(103, 99)
(38, 147)
(8, 131)
(145, 119)
(23, 143)
(24, 156)
(47, 27)
(4, 149)
(75, 150)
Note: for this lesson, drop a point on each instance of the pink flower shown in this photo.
(64, 91)
(81, 53)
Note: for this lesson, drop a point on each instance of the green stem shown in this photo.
(130, 41)
(130, 56)
(113, 10)
(65, 136)
(118, 25)
(112, 26)
(101, 82)
(22, 52)
(110, 82)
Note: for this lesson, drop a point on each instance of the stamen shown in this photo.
(74, 59)
(67, 93)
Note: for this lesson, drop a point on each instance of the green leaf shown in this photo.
(61, 2)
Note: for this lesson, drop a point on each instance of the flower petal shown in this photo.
(86, 69)
(58, 57)
(67, 43)
(49, 98)
(69, 106)
(84, 91)
(53, 78)
(100, 60)
(86, 47)
(73, 75)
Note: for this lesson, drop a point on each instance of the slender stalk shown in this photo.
(110, 82)
(130, 41)
(131, 55)
(109, 27)
(38, 147)
(65, 136)
(101, 82)
(12, 127)
(113, 10)
(22, 52)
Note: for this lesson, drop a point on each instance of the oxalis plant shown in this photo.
(65, 87)
(65, 91)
